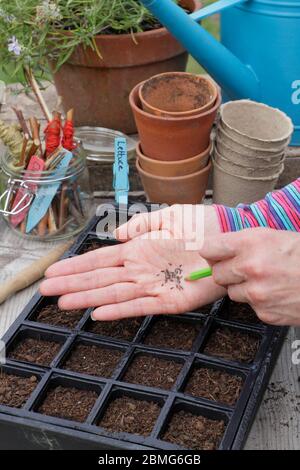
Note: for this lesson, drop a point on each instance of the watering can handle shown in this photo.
(214, 8)
(238, 80)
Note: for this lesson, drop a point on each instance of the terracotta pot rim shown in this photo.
(169, 163)
(173, 178)
(179, 114)
(170, 119)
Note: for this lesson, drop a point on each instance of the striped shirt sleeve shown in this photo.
(280, 210)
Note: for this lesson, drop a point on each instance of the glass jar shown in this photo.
(49, 204)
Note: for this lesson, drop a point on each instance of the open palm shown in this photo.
(140, 277)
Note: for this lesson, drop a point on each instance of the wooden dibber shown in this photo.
(32, 273)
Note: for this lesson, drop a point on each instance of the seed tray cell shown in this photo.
(47, 313)
(174, 333)
(215, 383)
(240, 313)
(188, 422)
(149, 369)
(175, 346)
(16, 386)
(127, 330)
(88, 357)
(222, 340)
(35, 346)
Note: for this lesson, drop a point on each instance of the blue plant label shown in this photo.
(47, 192)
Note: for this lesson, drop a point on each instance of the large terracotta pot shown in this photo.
(98, 89)
(170, 139)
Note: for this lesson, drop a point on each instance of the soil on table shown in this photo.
(232, 345)
(68, 403)
(15, 390)
(215, 385)
(130, 415)
(171, 333)
(119, 329)
(36, 351)
(93, 360)
(194, 432)
(243, 313)
(52, 315)
(153, 372)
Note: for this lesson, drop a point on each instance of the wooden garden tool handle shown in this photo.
(32, 273)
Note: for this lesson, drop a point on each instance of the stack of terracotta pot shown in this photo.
(174, 114)
(249, 151)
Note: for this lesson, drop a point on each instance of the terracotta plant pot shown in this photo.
(231, 190)
(188, 189)
(177, 168)
(170, 139)
(256, 124)
(99, 88)
(178, 94)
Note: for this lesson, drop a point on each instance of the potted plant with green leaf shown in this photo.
(98, 50)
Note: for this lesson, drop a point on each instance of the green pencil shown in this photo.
(206, 272)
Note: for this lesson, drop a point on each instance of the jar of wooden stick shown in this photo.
(47, 202)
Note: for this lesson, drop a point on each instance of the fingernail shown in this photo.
(92, 317)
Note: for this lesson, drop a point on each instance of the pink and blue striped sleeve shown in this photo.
(280, 210)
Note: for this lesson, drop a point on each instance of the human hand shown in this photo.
(137, 278)
(191, 223)
(261, 267)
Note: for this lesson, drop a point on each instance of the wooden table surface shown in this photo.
(277, 425)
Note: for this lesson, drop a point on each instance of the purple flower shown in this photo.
(14, 46)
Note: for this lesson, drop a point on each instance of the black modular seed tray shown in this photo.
(26, 428)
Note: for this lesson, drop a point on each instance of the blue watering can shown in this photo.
(259, 57)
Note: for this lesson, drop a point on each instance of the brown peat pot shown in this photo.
(170, 139)
(178, 94)
(99, 88)
(176, 168)
(189, 189)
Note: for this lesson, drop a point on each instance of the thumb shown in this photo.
(220, 247)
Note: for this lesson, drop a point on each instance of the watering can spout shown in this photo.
(236, 79)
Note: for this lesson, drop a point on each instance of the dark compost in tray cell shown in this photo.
(243, 313)
(152, 371)
(52, 315)
(35, 350)
(126, 414)
(194, 432)
(93, 360)
(15, 390)
(216, 385)
(119, 329)
(232, 345)
(173, 333)
(68, 403)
